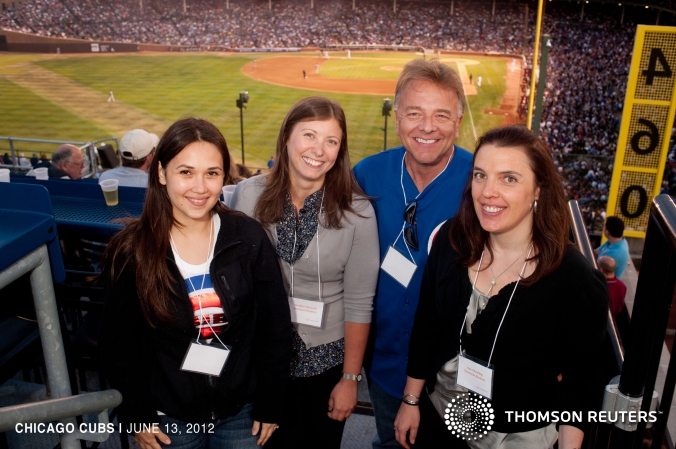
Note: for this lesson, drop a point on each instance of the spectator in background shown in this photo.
(136, 150)
(617, 292)
(616, 287)
(23, 162)
(616, 246)
(34, 160)
(67, 163)
(243, 172)
(271, 162)
(6, 159)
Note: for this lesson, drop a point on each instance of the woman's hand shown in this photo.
(148, 439)
(343, 399)
(406, 424)
(265, 432)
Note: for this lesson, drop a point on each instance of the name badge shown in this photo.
(205, 358)
(475, 376)
(306, 312)
(398, 266)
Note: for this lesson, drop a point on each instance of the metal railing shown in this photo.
(65, 407)
(581, 239)
(635, 389)
(91, 153)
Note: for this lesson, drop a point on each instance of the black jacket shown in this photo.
(555, 326)
(143, 363)
(52, 171)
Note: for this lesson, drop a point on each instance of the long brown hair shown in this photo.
(551, 222)
(339, 183)
(145, 240)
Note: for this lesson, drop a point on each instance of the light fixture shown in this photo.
(241, 101)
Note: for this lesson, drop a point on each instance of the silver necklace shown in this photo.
(503, 271)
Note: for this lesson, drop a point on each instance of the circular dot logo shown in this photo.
(469, 416)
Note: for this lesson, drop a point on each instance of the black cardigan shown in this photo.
(555, 326)
(144, 362)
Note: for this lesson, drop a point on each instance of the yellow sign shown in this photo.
(647, 119)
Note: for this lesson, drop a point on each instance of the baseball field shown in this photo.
(64, 97)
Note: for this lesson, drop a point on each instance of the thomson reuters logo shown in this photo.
(469, 416)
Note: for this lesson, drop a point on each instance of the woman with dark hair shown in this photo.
(511, 316)
(324, 229)
(196, 332)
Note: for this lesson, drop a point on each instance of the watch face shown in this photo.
(358, 377)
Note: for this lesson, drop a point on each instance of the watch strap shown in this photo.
(355, 377)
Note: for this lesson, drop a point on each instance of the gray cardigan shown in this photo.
(349, 264)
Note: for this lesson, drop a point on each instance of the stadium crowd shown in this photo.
(288, 24)
(586, 78)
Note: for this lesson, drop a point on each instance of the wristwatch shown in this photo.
(356, 377)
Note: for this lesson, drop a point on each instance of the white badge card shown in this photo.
(306, 312)
(398, 266)
(475, 376)
(205, 358)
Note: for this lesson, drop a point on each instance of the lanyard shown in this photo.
(293, 252)
(204, 275)
(508, 303)
(401, 179)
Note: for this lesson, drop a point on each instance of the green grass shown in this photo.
(493, 72)
(25, 114)
(207, 85)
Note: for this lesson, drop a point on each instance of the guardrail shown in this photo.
(64, 407)
(91, 159)
(634, 391)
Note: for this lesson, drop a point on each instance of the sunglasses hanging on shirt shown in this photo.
(411, 228)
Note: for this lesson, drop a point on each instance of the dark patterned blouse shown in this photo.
(305, 362)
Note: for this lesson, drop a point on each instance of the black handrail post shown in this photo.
(651, 307)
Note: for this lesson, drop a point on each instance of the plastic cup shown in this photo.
(4, 175)
(227, 194)
(109, 187)
(41, 173)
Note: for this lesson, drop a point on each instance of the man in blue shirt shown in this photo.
(415, 188)
(616, 246)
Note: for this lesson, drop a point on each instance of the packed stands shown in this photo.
(586, 80)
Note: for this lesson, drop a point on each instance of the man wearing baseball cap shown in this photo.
(136, 150)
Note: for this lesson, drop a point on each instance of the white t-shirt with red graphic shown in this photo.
(209, 315)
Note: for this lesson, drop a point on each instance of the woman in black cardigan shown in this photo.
(509, 310)
(196, 332)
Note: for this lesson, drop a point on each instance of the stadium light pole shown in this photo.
(529, 121)
(241, 101)
(546, 44)
(387, 108)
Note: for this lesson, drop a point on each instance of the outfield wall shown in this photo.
(30, 43)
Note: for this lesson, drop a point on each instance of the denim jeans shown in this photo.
(229, 433)
(385, 407)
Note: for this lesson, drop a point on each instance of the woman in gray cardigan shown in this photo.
(325, 233)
